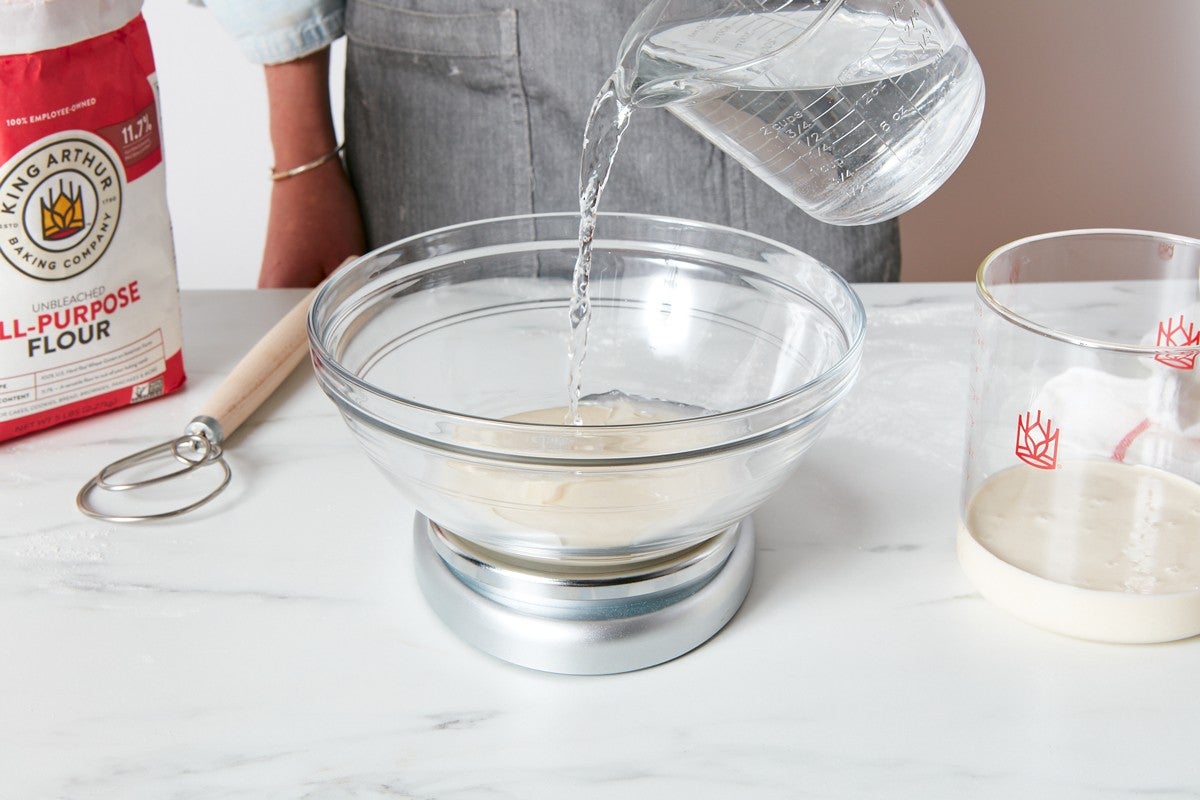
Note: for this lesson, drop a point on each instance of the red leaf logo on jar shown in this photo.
(1037, 441)
(1178, 334)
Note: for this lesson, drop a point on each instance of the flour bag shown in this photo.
(89, 299)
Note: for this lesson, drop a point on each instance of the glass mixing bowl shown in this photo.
(714, 358)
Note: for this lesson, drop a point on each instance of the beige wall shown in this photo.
(1092, 120)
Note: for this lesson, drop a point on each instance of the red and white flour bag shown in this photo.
(89, 298)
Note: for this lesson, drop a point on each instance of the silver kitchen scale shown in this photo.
(623, 540)
(579, 621)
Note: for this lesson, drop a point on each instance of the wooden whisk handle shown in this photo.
(260, 371)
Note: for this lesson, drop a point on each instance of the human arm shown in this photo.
(314, 221)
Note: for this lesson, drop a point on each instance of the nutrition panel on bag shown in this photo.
(102, 364)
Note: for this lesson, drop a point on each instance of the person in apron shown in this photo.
(457, 110)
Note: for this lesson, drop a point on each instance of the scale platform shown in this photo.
(579, 621)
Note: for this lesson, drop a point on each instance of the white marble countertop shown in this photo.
(274, 644)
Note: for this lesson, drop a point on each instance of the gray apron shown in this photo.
(467, 109)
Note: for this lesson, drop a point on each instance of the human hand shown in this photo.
(313, 225)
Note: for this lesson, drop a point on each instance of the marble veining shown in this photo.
(275, 645)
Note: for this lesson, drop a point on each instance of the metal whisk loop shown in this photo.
(250, 383)
(192, 450)
(200, 452)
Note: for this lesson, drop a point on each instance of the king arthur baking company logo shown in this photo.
(60, 201)
(63, 217)
(1037, 441)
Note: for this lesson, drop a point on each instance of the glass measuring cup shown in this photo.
(1081, 503)
(855, 110)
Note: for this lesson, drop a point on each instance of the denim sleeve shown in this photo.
(274, 31)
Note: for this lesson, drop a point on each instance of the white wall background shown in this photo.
(1092, 121)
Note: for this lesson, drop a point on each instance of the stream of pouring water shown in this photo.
(601, 137)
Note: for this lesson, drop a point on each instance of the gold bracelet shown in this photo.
(278, 175)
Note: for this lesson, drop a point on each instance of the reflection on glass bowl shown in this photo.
(714, 358)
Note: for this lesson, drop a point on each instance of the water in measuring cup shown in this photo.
(856, 121)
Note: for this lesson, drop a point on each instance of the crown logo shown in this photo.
(1178, 334)
(62, 217)
(1037, 441)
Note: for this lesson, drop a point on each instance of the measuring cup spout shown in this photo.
(626, 75)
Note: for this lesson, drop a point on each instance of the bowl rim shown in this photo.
(842, 368)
